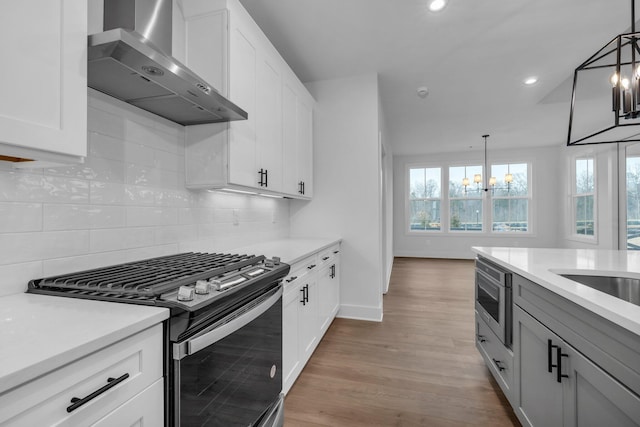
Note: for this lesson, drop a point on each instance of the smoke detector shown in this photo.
(423, 91)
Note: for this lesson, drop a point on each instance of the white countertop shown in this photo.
(40, 333)
(290, 250)
(542, 265)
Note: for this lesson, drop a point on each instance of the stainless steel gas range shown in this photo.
(223, 340)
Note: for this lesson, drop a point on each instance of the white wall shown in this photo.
(546, 218)
(127, 202)
(346, 199)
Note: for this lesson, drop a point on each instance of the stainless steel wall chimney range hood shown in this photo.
(131, 60)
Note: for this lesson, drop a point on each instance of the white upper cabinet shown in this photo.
(43, 80)
(271, 151)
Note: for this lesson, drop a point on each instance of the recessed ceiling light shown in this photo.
(529, 81)
(437, 5)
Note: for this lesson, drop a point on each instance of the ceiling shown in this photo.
(473, 56)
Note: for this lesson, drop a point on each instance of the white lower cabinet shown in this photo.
(101, 388)
(145, 409)
(310, 303)
(558, 386)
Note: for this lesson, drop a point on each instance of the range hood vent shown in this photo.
(131, 60)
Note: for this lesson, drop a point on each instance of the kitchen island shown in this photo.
(575, 357)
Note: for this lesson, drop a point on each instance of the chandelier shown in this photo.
(477, 178)
(613, 72)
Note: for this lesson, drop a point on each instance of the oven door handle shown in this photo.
(199, 342)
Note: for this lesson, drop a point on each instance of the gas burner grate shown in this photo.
(148, 278)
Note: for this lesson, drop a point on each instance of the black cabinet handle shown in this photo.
(291, 279)
(261, 182)
(303, 190)
(481, 338)
(550, 348)
(333, 271)
(304, 299)
(324, 258)
(335, 252)
(498, 365)
(111, 382)
(559, 356)
(266, 178)
(312, 266)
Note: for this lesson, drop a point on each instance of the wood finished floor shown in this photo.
(419, 367)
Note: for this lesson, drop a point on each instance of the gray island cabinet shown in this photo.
(572, 365)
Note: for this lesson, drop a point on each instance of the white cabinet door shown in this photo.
(43, 80)
(145, 409)
(242, 144)
(539, 397)
(290, 179)
(269, 123)
(328, 295)
(305, 147)
(308, 317)
(594, 398)
(290, 332)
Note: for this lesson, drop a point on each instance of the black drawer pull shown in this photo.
(324, 258)
(311, 266)
(291, 279)
(111, 382)
(481, 338)
(498, 365)
(335, 252)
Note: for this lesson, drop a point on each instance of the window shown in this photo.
(583, 198)
(465, 202)
(633, 202)
(424, 199)
(510, 198)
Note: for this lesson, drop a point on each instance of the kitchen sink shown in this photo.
(625, 288)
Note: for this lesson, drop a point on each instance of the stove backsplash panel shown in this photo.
(126, 202)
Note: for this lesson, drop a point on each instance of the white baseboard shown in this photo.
(360, 312)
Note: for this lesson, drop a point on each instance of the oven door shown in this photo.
(490, 303)
(230, 374)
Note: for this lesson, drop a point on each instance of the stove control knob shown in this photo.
(276, 260)
(185, 293)
(202, 287)
(268, 263)
(215, 284)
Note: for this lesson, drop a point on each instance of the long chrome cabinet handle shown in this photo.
(192, 346)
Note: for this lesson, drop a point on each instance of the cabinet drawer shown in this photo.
(145, 409)
(328, 255)
(499, 359)
(135, 361)
(299, 270)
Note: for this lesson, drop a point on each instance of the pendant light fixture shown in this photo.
(605, 102)
(477, 178)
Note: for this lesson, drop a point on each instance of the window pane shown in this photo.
(518, 187)
(510, 214)
(633, 203)
(424, 183)
(466, 215)
(424, 215)
(584, 215)
(457, 174)
(584, 176)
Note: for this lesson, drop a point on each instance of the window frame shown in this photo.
(481, 197)
(528, 197)
(408, 199)
(487, 201)
(574, 196)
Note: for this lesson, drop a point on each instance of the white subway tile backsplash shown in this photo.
(20, 217)
(122, 238)
(126, 202)
(14, 277)
(140, 216)
(23, 247)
